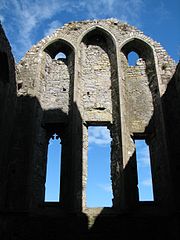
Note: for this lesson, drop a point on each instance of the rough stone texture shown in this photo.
(90, 83)
(140, 102)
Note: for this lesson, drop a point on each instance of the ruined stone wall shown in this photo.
(140, 102)
(95, 85)
(56, 85)
(7, 111)
(92, 84)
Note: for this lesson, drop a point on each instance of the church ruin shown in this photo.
(76, 78)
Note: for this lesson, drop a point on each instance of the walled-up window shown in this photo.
(132, 58)
(58, 72)
(145, 185)
(53, 170)
(97, 52)
(99, 190)
(4, 67)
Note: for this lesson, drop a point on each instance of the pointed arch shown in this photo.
(141, 47)
(146, 54)
(98, 29)
(58, 45)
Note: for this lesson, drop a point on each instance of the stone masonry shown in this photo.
(78, 77)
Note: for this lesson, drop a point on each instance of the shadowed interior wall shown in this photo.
(7, 115)
(171, 110)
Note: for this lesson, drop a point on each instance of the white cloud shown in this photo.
(99, 135)
(124, 10)
(25, 20)
(144, 158)
(52, 27)
(142, 151)
(147, 182)
(105, 187)
(1, 19)
(31, 15)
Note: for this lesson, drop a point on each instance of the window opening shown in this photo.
(52, 186)
(132, 58)
(145, 186)
(99, 190)
(60, 56)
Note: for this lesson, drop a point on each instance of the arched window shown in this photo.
(53, 170)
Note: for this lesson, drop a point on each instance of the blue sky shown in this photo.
(99, 190)
(144, 175)
(28, 21)
(52, 186)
